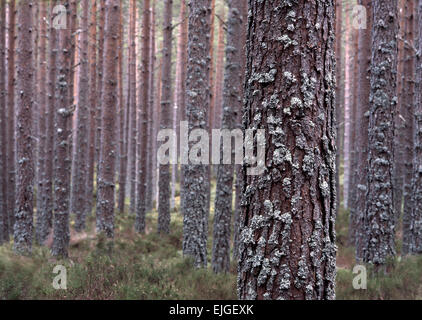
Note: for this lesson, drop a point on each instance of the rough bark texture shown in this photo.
(196, 176)
(413, 229)
(379, 214)
(362, 117)
(287, 242)
(11, 141)
(80, 164)
(92, 106)
(24, 132)
(109, 98)
(166, 119)
(62, 146)
(231, 105)
(143, 121)
(407, 113)
(132, 103)
(42, 123)
(4, 218)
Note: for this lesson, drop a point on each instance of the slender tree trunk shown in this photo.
(287, 248)
(339, 90)
(180, 91)
(413, 230)
(109, 99)
(231, 105)
(196, 176)
(398, 169)
(151, 139)
(92, 106)
(132, 103)
(243, 12)
(123, 121)
(79, 181)
(11, 140)
(41, 228)
(62, 150)
(143, 121)
(24, 132)
(4, 218)
(166, 119)
(407, 112)
(379, 213)
(362, 117)
(219, 74)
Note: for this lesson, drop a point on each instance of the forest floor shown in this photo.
(151, 266)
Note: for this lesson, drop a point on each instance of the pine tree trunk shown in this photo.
(4, 218)
(180, 92)
(219, 75)
(62, 150)
(132, 104)
(109, 100)
(362, 116)
(413, 229)
(23, 228)
(42, 125)
(287, 242)
(407, 112)
(379, 214)
(243, 14)
(196, 176)
(143, 121)
(166, 119)
(231, 105)
(11, 139)
(92, 106)
(123, 126)
(79, 181)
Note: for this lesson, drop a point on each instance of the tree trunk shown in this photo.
(407, 112)
(413, 229)
(287, 242)
(219, 75)
(109, 99)
(143, 121)
(166, 119)
(11, 141)
(92, 106)
(4, 218)
(180, 91)
(41, 229)
(362, 116)
(231, 105)
(80, 170)
(62, 151)
(24, 132)
(132, 103)
(196, 176)
(379, 214)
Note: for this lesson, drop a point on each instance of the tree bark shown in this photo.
(80, 170)
(196, 176)
(287, 242)
(379, 214)
(143, 121)
(109, 99)
(23, 228)
(413, 229)
(4, 218)
(362, 117)
(231, 105)
(166, 119)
